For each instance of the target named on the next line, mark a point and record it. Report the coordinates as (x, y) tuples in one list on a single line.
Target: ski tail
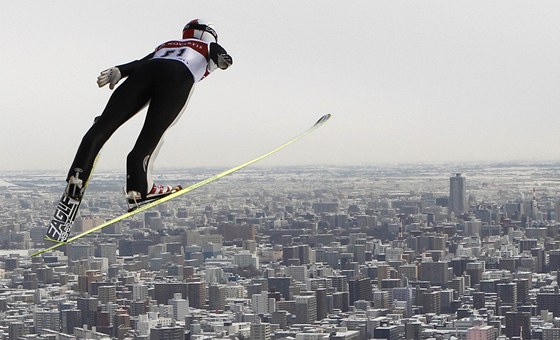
[(197, 185)]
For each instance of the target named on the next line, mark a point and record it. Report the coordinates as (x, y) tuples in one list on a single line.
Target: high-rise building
[(214, 275), (16, 329), (260, 331), (381, 299), (280, 285), (46, 319), (409, 271), (518, 324), (475, 270), (550, 333), (289, 306), (340, 301), (298, 273), (304, 253), (107, 294), (322, 303), (360, 289), (139, 292), (138, 307), (280, 318), (507, 292), (234, 291), (232, 231), (404, 294), (218, 294), (386, 332), (479, 300), (180, 306), (134, 247), (473, 227), (523, 286), (290, 255), (104, 322), (45, 275), (196, 293), (262, 303), (70, 318), (306, 309), (167, 333), (432, 242), (245, 259), (77, 251), (108, 250), (458, 285), (554, 259), (122, 323), (432, 302), (165, 291), (527, 244), (549, 302), (457, 194), (446, 300), (413, 330), (481, 333), (339, 283), (360, 253), (437, 273), (325, 207), (153, 220), (88, 310)]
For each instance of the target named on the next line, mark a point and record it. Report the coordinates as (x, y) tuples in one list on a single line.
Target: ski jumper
[(163, 80)]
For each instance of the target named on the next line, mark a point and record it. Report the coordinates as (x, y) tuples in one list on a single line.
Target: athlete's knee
[(95, 138)]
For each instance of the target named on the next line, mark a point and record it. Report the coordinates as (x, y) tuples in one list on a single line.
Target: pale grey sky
[(406, 81)]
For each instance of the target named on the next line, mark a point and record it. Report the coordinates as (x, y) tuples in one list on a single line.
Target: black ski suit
[(163, 80)]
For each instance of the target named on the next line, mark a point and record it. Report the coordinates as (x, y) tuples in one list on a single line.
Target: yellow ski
[(152, 204)]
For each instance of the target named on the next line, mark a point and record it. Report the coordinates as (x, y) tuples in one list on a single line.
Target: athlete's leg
[(125, 102), (170, 94)]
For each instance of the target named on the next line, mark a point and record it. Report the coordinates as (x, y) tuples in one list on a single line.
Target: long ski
[(150, 205)]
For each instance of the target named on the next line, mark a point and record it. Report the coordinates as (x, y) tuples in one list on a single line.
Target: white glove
[(110, 76), (224, 61)]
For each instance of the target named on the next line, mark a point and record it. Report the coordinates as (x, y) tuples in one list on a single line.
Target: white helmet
[(200, 29)]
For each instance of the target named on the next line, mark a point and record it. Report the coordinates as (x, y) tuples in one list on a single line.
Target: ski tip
[(323, 119)]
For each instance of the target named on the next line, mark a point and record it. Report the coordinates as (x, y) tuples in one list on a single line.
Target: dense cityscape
[(309, 253)]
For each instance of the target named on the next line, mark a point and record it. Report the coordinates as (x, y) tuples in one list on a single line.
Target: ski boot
[(135, 199), (74, 189)]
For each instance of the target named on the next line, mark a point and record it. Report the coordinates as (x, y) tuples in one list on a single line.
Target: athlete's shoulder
[(182, 43)]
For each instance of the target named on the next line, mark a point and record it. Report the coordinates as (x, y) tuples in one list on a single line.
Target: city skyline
[(317, 252), (406, 82)]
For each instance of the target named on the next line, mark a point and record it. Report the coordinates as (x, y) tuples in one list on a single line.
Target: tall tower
[(260, 330), (457, 194)]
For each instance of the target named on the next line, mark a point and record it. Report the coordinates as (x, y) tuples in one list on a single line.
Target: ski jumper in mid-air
[(163, 80)]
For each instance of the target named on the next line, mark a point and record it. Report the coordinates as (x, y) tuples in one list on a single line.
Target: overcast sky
[(405, 81)]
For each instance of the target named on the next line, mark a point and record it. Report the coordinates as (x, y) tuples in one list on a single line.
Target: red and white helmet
[(200, 29)]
